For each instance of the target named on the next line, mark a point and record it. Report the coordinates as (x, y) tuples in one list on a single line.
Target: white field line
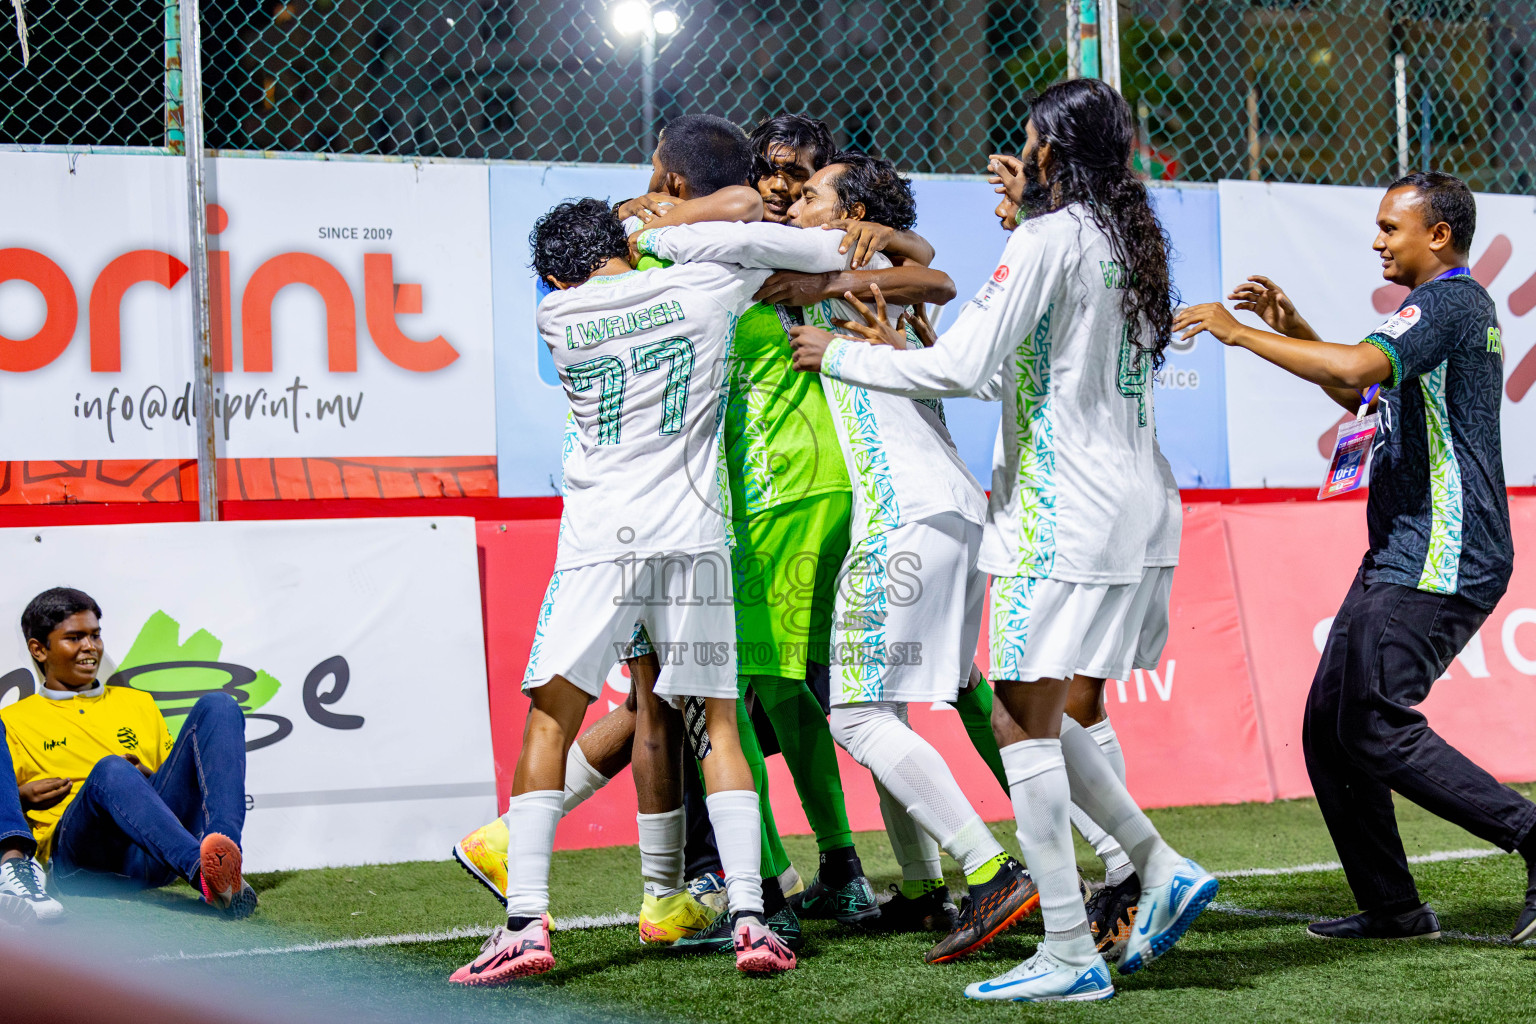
[(1333, 865), (583, 923), (562, 924)]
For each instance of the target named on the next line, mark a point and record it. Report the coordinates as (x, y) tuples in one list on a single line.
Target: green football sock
[(912, 888), (987, 871), (775, 860), (975, 707), (811, 755)]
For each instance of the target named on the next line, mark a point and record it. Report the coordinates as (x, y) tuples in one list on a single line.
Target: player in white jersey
[(1068, 327), (909, 598), (642, 357)]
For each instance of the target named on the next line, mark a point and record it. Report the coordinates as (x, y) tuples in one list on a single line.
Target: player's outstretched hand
[(1007, 174), (864, 237), (808, 345), (1261, 296), (875, 329), (1208, 316), (647, 207), (917, 319), (792, 288)]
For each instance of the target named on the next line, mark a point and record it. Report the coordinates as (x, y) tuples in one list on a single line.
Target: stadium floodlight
[(639, 18), (632, 17)]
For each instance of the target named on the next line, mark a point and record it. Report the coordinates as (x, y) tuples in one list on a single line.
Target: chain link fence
[(1284, 90)]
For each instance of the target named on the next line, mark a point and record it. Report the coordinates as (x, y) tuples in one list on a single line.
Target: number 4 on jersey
[(607, 372), (1135, 375)]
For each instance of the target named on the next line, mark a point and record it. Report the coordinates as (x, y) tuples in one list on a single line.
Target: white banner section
[(1314, 241), (351, 308), (354, 647)]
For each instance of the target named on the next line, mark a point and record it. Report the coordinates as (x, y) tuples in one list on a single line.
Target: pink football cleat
[(759, 951), (507, 955)]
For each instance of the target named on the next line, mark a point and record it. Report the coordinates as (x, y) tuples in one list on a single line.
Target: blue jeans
[(14, 830), (148, 830)]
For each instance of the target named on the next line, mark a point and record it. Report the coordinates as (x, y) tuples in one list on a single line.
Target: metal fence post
[(175, 141), (1400, 77), (1088, 20), (1074, 38), (1110, 43), (191, 73)]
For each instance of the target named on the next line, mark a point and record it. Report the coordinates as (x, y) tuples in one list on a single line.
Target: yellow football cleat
[(679, 916), (483, 853)]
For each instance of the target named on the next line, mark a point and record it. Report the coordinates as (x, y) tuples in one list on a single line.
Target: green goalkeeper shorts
[(786, 563)]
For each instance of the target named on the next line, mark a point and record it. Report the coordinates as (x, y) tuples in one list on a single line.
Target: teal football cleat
[(1044, 979), (1165, 912)]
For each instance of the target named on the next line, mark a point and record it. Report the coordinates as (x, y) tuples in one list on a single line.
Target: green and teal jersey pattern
[(780, 445), (1438, 510)]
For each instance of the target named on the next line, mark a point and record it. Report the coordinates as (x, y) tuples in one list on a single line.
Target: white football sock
[(581, 779), (877, 736), (1117, 863), (915, 849), (531, 820), (1103, 796), (1037, 782), (1103, 734), (661, 852), (738, 824)]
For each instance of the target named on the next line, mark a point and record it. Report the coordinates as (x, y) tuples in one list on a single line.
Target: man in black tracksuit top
[(1440, 552)]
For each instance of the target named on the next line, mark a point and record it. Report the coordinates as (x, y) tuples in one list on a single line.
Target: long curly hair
[(1088, 125)]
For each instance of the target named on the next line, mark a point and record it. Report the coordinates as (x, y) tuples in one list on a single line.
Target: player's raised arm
[(906, 285), (1332, 366), (764, 246), (967, 355)]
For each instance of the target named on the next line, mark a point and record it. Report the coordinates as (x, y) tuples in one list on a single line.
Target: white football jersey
[(1075, 493), (642, 356), (1163, 545), (900, 458)]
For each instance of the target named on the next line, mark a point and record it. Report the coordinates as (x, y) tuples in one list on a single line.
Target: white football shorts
[(1050, 629), (907, 614), (590, 614)]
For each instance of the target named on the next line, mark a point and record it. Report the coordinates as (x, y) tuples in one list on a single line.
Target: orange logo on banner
[(384, 300)]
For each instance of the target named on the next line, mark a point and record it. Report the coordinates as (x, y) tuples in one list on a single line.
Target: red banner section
[(1293, 565), (293, 479), (1190, 728)]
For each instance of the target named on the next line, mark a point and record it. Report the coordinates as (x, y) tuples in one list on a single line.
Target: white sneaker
[(1044, 979), (24, 895), (1165, 912)]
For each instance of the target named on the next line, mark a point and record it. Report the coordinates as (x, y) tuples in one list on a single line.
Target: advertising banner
[(954, 214), (1314, 241), (1190, 727), (351, 324), (354, 648), (1294, 563)]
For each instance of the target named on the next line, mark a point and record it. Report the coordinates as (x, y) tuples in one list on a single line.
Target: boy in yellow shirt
[(104, 788)]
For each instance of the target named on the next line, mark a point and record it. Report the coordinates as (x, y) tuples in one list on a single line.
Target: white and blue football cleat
[(1165, 912), (1044, 979)]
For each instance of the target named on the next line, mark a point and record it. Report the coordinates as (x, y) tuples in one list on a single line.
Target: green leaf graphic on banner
[(176, 674)]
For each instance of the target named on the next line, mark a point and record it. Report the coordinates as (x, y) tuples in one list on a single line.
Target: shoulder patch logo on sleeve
[(1399, 322), (1001, 273), (1495, 342)]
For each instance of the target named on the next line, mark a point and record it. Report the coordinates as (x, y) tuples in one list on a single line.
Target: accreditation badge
[(1350, 468)]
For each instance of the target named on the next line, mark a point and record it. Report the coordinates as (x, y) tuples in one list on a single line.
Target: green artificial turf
[(1240, 962)]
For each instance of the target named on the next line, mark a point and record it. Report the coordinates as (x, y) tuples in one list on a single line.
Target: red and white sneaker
[(219, 878), (759, 951), (507, 955)]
